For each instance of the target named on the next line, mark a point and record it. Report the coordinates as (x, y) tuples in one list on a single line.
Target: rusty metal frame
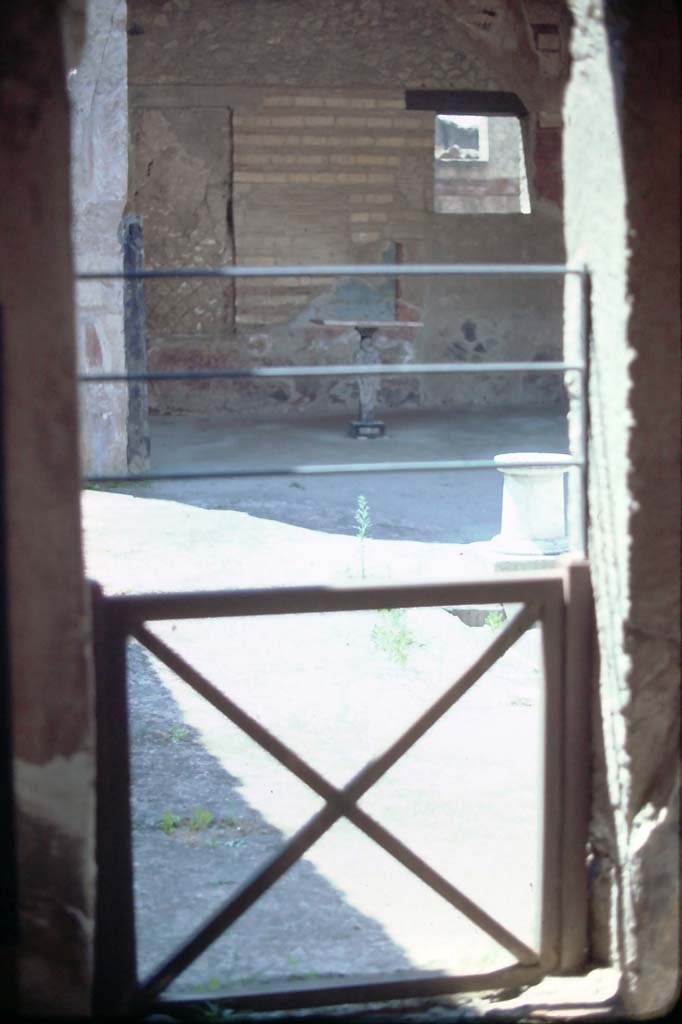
[(558, 600)]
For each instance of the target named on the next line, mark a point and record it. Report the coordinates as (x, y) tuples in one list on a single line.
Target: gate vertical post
[(578, 670), (115, 975), (552, 777)]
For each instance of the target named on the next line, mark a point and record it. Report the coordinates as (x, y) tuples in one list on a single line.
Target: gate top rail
[(137, 608), (340, 269)]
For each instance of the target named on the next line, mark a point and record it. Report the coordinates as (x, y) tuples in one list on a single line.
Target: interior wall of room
[(314, 158), (622, 196), (50, 683)]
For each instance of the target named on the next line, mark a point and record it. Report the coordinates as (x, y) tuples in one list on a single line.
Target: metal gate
[(559, 601)]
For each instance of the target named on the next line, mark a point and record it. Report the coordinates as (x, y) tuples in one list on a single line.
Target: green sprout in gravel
[(212, 985), (200, 820), (393, 635), (178, 733), (363, 522), (169, 822), (495, 620)]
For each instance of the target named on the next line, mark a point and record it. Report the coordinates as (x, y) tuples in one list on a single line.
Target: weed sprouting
[(363, 522), (169, 822), (393, 635), (200, 820), (495, 620)]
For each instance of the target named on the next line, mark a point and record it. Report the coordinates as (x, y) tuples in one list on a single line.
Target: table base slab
[(369, 428)]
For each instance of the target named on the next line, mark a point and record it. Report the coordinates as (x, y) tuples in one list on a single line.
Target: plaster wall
[(315, 159), (51, 690), (624, 92), (99, 171)]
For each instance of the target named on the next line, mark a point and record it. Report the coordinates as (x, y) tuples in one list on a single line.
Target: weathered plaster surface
[(182, 173), (99, 163), (56, 844), (622, 219), (53, 792), (52, 717)]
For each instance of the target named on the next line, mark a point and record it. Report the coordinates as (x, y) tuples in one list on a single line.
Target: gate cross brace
[(339, 803)]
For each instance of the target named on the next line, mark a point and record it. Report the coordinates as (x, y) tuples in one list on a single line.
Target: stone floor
[(459, 507)]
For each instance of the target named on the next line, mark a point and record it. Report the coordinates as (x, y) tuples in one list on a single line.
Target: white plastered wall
[(621, 163)]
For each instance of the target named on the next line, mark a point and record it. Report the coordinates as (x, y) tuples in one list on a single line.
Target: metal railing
[(578, 458)]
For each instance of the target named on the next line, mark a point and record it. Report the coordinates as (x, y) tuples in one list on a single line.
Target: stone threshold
[(592, 996)]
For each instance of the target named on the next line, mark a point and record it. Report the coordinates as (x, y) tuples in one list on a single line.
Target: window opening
[(479, 165), (461, 137)]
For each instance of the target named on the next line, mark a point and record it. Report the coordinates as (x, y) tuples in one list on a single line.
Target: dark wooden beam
[(465, 101)]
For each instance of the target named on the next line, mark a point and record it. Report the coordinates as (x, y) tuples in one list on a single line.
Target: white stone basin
[(533, 508)]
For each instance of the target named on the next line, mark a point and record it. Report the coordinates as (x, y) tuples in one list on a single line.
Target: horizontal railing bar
[(342, 269), (373, 370), (342, 468), (218, 604), (364, 988), (335, 797)]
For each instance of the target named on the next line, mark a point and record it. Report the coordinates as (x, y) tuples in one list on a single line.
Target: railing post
[(135, 332), (115, 964)]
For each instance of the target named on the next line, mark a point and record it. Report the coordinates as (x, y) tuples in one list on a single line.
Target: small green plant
[(200, 820), (211, 985), (363, 522), (178, 733), (169, 822), (393, 635), (495, 620), (297, 971)]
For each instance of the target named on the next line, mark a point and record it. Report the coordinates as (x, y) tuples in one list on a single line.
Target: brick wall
[(317, 179)]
